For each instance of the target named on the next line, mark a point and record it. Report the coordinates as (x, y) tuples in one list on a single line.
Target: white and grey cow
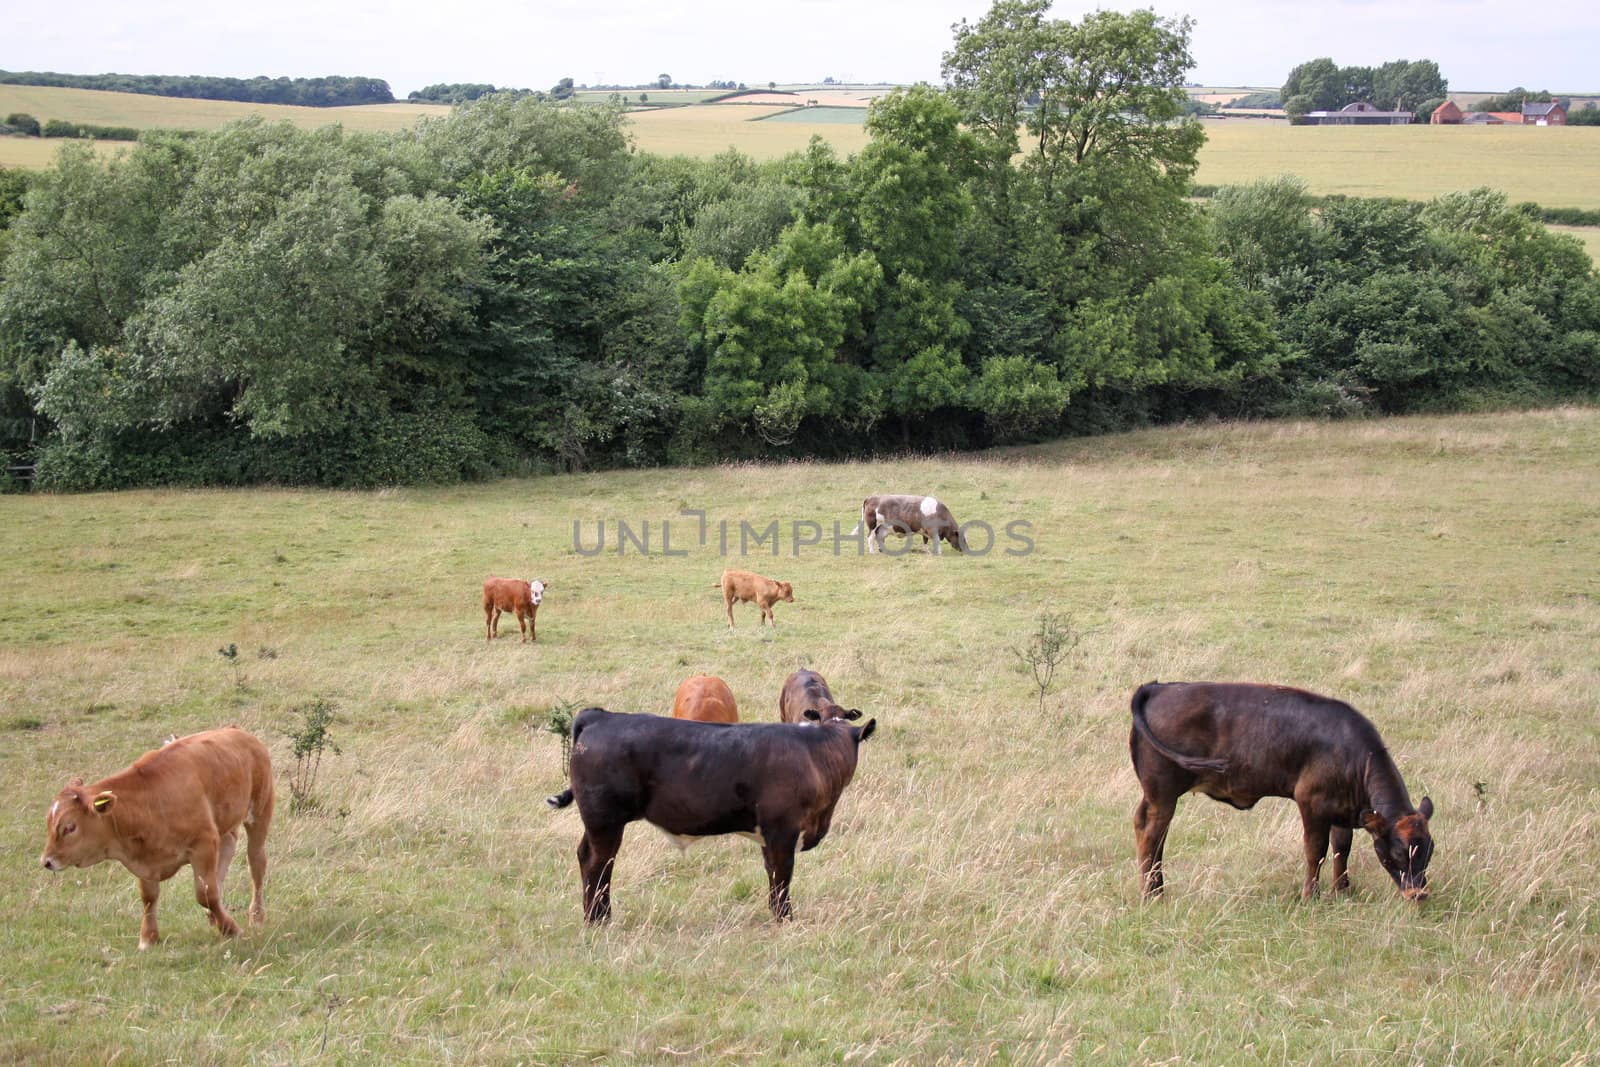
[(907, 515)]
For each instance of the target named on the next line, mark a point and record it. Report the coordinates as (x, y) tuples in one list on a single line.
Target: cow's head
[(78, 830), (842, 722), (536, 588), (830, 711), (1404, 848), (787, 590)]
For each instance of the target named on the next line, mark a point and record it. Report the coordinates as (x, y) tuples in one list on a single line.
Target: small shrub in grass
[(230, 654), (1051, 642), (559, 722), (24, 722), (310, 740)]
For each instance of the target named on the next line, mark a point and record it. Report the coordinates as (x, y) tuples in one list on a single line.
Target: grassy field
[(1555, 167), (976, 898)]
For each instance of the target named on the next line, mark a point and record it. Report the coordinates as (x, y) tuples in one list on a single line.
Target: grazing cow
[(515, 595), (774, 783), (705, 698), (182, 803), (907, 515), (1239, 743), (764, 592), (808, 691)]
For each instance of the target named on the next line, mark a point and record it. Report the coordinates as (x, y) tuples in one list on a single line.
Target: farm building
[(1552, 114), (1446, 114), (1359, 113)]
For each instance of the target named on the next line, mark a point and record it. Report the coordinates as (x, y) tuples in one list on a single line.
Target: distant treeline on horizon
[(332, 91)]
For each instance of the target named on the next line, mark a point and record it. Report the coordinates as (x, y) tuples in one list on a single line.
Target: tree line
[(1013, 256), (332, 91), (1399, 85)]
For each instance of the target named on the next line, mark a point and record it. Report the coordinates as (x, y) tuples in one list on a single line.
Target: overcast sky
[(412, 43)]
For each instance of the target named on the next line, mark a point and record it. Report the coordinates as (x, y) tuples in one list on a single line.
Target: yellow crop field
[(149, 112), (36, 153), (1552, 166)]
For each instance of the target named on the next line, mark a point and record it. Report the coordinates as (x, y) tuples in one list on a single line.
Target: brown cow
[(907, 515), (806, 690), (182, 803), (705, 698), (774, 783), (1239, 743), (764, 592), (515, 595)]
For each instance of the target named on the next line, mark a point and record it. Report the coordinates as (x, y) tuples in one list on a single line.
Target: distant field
[(704, 132), (147, 112), (1552, 167)]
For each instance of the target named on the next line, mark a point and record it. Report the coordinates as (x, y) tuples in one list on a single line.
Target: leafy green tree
[(23, 123), (1320, 81)]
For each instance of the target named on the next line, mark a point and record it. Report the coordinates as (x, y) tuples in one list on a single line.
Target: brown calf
[(806, 690), (181, 804), (1239, 743), (705, 698), (514, 595), (764, 592)]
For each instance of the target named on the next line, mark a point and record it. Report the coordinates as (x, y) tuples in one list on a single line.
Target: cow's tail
[(1193, 764), (564, 798)]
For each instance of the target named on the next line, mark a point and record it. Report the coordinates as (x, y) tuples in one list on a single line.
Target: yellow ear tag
[(103, 801)]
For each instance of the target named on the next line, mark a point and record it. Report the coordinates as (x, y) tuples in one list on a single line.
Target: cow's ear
[(103, 801), (76, 782), (1376, 824), (542, 582), (1426, 807), (853, 714), (811, 715), (866, 731)]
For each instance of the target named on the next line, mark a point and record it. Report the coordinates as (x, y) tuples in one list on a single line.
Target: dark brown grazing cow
[(182, 803), (807, 691), (907, 515), (775, 783), (764, 592), (1238, 743), (705, 698), (514, 595)]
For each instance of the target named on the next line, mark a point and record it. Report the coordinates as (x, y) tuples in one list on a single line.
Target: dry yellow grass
[(163, 112), (1555, 167), (706, 131)]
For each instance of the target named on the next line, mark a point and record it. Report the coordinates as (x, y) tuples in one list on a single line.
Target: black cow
[(775, 783), (1238, 743)]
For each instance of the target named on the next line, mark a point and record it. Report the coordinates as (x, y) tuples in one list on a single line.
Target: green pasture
[(976, 899)]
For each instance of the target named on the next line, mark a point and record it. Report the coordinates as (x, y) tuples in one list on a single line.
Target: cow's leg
[(256, 851), (766, 615), (533, 619), (1341, 837), (522, 624), (488, 622), (225, 850), (1150, 822), (149, 893), (1316, 843), (597, 854), (207, 890), (727, 602), (777, 850)]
